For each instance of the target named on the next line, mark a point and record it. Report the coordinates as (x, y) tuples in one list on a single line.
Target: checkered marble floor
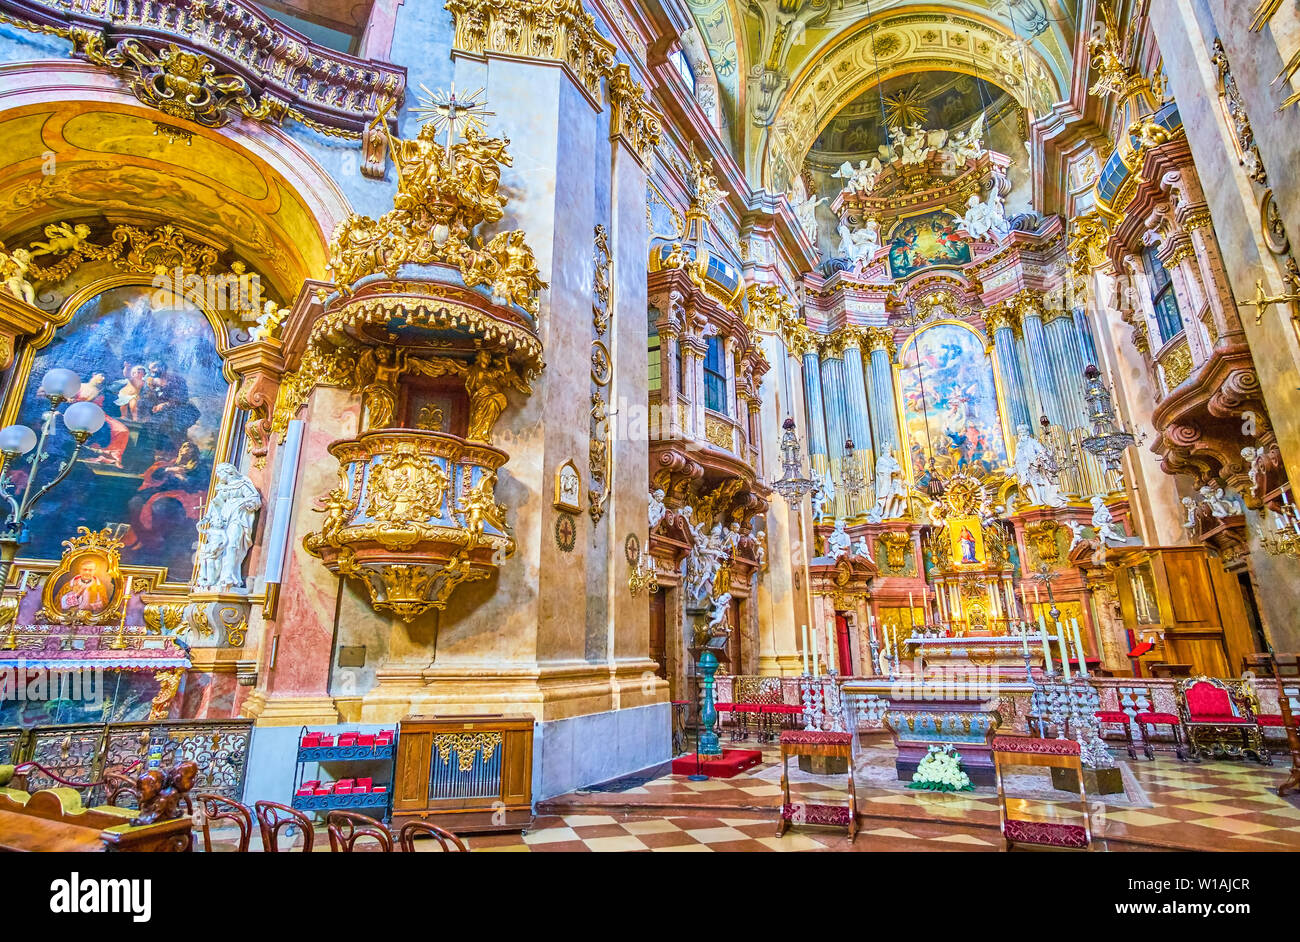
[(1206, 806)]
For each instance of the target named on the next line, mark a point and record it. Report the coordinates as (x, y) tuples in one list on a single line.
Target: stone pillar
[(815, 413), (1066, 368), (857, 411), (884, 409), (833, 403), (1038, 357), (1002, 323)]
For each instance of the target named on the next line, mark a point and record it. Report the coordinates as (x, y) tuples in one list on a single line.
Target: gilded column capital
[(1182, 251), (852, 336), (552, 30), (1002, 315), (1027, 303), (881, 338), (631, 118), (1088, 237), (768, 308), (799, 340), (832, 345), (1198, 219)]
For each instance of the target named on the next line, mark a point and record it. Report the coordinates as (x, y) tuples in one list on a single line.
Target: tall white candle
[(1024, 641), (1078, 646), (1065, 654), (832, 646), (1042, 636)]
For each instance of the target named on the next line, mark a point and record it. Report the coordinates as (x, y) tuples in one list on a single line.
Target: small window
[(1168, 319), (654, 374), (678, 59), (715, 377)]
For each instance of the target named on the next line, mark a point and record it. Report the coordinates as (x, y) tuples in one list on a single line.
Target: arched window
[(1163, 300), (655, 371), (678, 59)]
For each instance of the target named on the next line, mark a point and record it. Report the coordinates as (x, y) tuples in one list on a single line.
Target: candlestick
[(1078, 646), (816, 666), (1024, 641), (1035, 595)]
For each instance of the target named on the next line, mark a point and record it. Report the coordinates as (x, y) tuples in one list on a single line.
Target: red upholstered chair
[(1050, 753), (273, 816), (220, 808), (1153, 718), (1220, 719)]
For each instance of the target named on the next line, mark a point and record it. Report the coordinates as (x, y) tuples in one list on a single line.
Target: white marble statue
[(838, 542), (1107, 532), (861, 549), (1220, 503), (986, 220), (920, 143), (1076, 529), (1193, 511), (859, 246), (657, 508), (704, 560), (718, 612), (1251, 455), (823, 495), (863, 179), (967, 145), (731, 539), (227, 530), (891, 489), (1031, 463)]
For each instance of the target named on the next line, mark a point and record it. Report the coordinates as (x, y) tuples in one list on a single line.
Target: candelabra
[(1285, 538), (1109, 437), (793, 483), (643, 574), (852, 481), (81, 419), (1057, 460)]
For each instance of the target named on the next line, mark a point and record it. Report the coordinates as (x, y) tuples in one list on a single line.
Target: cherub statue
[(1076, 528), (1220, 503), (657, 508), (62, 238), (1193, 511), (838, 542), (1108, 533), (861, 549), (13, 271), (269, 321), (985, 220), (718, 613), (162, 792)]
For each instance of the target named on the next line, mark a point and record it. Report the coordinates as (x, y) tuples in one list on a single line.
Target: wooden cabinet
[(465, 773)]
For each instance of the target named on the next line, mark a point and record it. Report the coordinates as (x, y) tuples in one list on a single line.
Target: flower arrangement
[(940, 771)]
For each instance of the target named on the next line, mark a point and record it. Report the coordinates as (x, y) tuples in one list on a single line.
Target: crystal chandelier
[(852, 481), (793, 483), (1109, 438)]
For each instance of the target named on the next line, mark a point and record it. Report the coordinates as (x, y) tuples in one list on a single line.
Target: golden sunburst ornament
[(452, 112), (906, 107)]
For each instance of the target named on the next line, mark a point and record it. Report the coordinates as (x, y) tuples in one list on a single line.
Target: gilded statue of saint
[(377, 374), (486, 382)]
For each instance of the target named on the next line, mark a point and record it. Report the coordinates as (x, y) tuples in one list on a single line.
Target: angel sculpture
[(860, 246), (63, 238), (967, 145), (13, 272), (986, 220)]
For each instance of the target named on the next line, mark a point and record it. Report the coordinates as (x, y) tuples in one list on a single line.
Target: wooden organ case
[(465, 773)]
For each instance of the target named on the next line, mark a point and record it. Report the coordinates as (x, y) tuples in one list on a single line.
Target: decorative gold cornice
[(1182, 251), (799, 340), (768, 308), (631, 118), (1198, 219), (1088, 237), (1177, 364), (552, 30)]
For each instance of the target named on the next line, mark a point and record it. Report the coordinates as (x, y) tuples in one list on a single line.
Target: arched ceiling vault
[(808, 58)]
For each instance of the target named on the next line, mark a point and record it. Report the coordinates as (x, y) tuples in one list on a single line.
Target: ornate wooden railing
[(84, 752)]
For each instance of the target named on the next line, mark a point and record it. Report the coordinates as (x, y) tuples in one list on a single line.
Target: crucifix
[(446, 110)]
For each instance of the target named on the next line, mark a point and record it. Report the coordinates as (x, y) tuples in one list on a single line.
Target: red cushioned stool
[(809, 742), (1050, 753), (1119, 716), (1161, 719)]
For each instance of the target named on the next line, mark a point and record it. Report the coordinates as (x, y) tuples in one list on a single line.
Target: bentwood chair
[(220, 808), (272, 816), (406, 837), (348, 827)]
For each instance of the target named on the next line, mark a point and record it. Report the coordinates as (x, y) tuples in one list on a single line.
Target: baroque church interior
[(529, 424)]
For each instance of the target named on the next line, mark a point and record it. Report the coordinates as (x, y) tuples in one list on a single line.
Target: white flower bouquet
[(940, 771)]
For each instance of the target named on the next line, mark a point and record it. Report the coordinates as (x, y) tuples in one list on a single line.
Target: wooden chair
[(347, 827), (220, 808), (406, 837), (1049, 753), (272, 816), (1220, 719)]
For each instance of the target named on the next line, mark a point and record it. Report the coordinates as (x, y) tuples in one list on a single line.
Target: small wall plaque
[(568, 488)]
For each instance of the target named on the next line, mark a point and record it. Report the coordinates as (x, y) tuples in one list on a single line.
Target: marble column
[(857, 411), (1002, 323), (880, 391), (1038, 357), (1066, 367), (815, 413), (833, 403)]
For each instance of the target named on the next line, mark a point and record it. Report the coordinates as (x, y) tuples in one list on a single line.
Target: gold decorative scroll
[(630, 117), (466, 746)]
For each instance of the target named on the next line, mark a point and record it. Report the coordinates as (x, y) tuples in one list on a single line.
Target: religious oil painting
[(926, 241), (950, 402), (967, 539), (150, 360)]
